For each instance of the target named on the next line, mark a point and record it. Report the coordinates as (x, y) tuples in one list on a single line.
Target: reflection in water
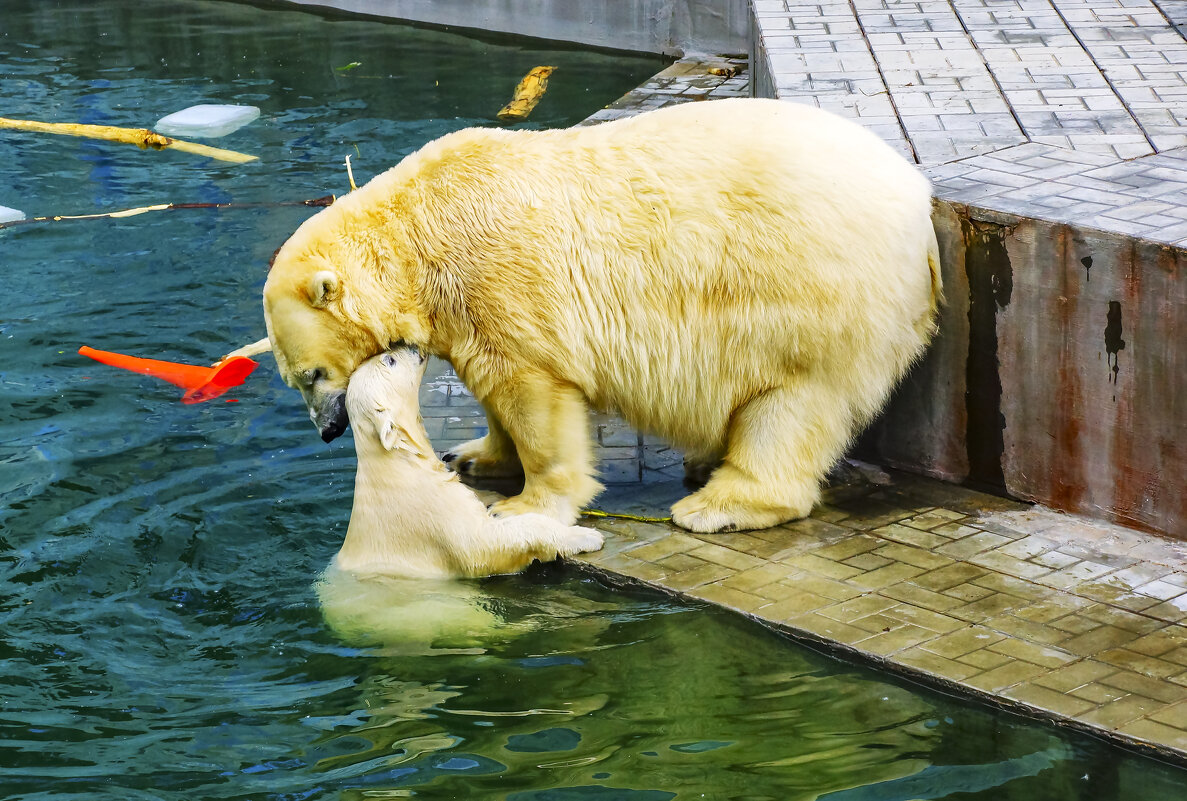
[(409, 615)]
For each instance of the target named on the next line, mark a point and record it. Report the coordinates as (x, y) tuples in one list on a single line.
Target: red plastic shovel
[(200, 383)]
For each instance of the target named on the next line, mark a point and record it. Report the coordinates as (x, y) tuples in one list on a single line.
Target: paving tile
[(935, 664), (851, 546), (969, 546), (679, 562), (1029, 652), (917, 557), (985, 608), (1122, 619), (1099, 639), (933, 518), (795, 605), (962, 642), (1027, 630), (828, 588), (1019, 588), (984, 659), (1077, 674), (1155, 732), (725, 557), (729, 597), (671, 544), (999, 678), (1124, 658), (815, 565), (1001, 562), (886, 576), (1117, 713), (755, 578), (909, 592), (1145, 686), (888, 642), (1163, 641), (1174, 716), (687, 579), (908, 535), (947, 577), (1098, 694), (968, 592), (850, 611), (1050, 700), (868, 561), (925, 618), (827, 627)]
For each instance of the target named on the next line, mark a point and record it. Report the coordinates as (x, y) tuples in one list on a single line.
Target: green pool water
[(161, 635)]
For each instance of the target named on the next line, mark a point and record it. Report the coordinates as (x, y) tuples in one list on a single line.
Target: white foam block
[(10, 215), (206, 120)]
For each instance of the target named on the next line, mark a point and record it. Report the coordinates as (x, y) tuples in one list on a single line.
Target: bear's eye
[(311, 377)]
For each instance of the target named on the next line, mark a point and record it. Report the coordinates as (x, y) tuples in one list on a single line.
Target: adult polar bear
[(746, 278)]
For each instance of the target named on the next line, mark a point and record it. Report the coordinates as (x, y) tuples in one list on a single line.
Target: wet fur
[(412, 517), (746, 278)]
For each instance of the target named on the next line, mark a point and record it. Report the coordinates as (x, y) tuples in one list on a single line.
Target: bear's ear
[(391, 436), (322, 288)]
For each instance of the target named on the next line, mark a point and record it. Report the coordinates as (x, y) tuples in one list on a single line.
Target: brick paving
[(1053, 615), (1071, 111)]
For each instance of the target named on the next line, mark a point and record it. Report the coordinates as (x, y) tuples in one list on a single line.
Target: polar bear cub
[(412, 516)]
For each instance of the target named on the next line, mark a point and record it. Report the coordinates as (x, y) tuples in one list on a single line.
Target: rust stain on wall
[(1065, 467)]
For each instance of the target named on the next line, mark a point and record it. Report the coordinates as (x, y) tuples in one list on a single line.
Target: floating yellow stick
[(141, 137), (527, 95)]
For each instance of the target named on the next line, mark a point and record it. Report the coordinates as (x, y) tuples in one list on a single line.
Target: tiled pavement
[(1066, 110), (1053, 615)]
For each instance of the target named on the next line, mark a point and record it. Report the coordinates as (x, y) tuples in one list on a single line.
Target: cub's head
[(382, 401), (338, 292)]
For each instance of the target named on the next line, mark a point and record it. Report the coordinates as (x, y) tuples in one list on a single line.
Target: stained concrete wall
[(1060, 372), (671, 27)]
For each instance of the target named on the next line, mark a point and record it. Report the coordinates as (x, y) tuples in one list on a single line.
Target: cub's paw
[(581, 540), (478, 458)]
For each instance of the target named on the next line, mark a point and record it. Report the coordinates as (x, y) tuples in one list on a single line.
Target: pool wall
[(671, 27)]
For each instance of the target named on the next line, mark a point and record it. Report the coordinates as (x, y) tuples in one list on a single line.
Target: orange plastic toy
[(200, 383)]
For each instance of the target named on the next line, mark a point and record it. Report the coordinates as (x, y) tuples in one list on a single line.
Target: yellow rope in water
[(625, 516)]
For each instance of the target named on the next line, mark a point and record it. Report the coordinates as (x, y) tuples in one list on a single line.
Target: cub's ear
[(391, 436), (322, 288)]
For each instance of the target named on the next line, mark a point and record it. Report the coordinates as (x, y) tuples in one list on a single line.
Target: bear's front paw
[(555, 506), (708, 516), (477, 458)]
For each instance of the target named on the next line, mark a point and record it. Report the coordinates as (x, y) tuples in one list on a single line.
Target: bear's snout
[(330, 416)]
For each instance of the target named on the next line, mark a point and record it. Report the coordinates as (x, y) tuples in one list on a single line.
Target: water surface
[(160, 632)]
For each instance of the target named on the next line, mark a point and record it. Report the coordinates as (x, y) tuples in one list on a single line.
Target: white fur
[(746, 278), (412, 517)]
